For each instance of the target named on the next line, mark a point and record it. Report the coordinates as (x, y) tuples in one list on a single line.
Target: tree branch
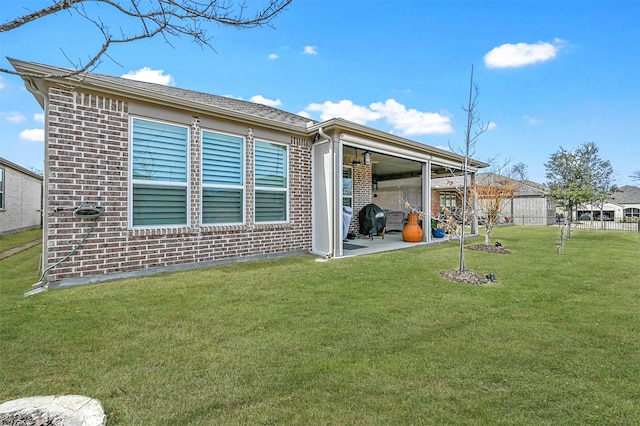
[(165, 18)]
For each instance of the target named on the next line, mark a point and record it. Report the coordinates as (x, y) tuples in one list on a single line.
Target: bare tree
[(492, 196), (635, 175), (149, 19), (472, 132), (519, 171)]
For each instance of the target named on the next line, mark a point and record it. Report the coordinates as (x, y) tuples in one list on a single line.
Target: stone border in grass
[(23, 247)]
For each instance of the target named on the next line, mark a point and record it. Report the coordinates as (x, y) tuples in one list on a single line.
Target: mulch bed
[(471, 277), (488, 249), (464, 277)]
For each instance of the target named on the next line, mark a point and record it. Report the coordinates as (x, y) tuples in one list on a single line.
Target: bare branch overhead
[(151, 18)]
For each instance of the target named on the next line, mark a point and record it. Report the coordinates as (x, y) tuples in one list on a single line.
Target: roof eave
[(342, 125), (31, 71), (6, 163)]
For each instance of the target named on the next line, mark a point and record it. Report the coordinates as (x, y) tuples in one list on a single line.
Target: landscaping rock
[(66, 410)]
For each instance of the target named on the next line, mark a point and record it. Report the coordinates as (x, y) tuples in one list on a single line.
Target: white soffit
[(384, 148)]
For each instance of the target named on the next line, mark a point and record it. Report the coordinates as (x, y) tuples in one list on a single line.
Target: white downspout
[(31, 87)]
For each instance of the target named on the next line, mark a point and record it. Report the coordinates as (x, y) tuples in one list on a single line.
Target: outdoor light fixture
[(356, 161), (367, 158)]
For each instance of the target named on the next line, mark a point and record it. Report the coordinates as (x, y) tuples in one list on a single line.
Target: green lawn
[(12, 241), (379, 339)]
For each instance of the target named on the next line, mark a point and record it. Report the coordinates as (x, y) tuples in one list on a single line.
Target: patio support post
[(336, 230), (426, 201)]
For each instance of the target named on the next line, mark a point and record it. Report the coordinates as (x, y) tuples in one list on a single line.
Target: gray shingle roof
[(626, 195), (231, 104), (527, 188)]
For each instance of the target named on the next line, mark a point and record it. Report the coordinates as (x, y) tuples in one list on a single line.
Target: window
[(448, 200), (159, 173), (631, 212), (222, 178), (347, 186), (271, 183), (1, 189)]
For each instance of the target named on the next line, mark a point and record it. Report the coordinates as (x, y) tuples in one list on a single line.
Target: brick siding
[(361, 194), (88, 160)]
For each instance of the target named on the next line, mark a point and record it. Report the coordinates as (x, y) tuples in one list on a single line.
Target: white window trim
[(244, 179), (345, 166), (132, 181), (271, 189)]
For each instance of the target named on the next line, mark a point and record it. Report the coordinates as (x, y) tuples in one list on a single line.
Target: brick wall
[(361, 194), (435, 202), (88, 165)]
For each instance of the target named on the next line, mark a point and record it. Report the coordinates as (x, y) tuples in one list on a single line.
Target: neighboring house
[(189, 179), (622, 206), (530, 205), (20, 198)]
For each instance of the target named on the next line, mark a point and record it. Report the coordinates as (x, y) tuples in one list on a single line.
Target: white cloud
[(14, 117), (403, 121), (411, 121), (491, 125), (531, 120), (1, 83), (310, 50), (521, 54), (39, 117), (32, 135), (150, 76), (259, 99), (344, 109), (273, 56)]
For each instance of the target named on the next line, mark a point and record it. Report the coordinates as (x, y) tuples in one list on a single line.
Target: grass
[(8, 242), (378, 339)]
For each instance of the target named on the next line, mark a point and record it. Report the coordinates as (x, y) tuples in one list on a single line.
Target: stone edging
[(23, 247)]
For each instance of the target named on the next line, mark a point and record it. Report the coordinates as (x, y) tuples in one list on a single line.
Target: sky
[(550, 74)]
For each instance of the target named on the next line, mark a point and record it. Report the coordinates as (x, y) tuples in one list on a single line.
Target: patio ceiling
[(388, 167)]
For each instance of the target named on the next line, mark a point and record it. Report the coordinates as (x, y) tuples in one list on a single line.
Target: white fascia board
[(368, 137)]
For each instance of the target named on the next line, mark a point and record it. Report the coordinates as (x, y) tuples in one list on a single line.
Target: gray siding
[(533, 211), (22, 200)]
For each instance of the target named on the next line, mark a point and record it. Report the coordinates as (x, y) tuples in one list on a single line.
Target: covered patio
[(355, 166), (391, 241)]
